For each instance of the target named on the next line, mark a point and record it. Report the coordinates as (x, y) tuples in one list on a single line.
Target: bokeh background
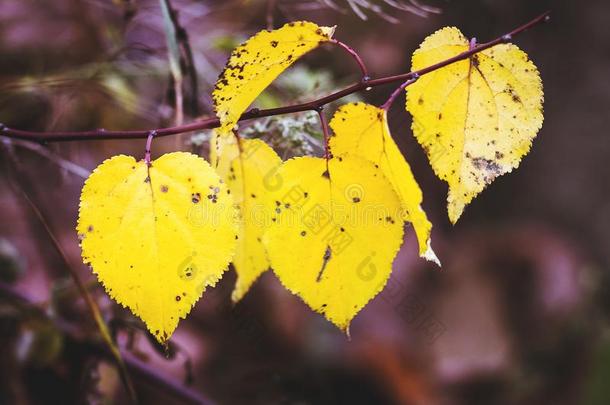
[(517, 315)]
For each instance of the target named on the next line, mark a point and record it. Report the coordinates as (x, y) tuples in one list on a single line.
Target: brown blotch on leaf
[(475, 61), (492, 168)]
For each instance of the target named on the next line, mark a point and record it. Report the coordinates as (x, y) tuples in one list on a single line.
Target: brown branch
[(210, 123)]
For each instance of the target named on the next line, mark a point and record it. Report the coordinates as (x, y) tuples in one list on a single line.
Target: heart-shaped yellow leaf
[(475, 118), (362, 129), (157, 236), (334, 233)]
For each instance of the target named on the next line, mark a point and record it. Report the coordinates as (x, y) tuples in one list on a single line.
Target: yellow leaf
[(157, 237), (257, 62), (362, 129), (475, 118), (334, 233), (248, 170)]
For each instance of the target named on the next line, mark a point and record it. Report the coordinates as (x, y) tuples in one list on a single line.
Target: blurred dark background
[(518, 314)]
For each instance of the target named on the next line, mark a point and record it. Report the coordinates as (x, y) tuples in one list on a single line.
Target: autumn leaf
[(157, 237), (335, 231), (257, 62), (362, 129), (246, 167), (475, 118)]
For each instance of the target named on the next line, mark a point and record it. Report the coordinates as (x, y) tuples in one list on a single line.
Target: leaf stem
[(209, 123), (363, 70), (149, 139), (386, 106), (325, 131)]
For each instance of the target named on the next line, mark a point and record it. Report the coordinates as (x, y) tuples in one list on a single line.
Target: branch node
[(254, 112), (3, 127), (473, 43), (507, 38)]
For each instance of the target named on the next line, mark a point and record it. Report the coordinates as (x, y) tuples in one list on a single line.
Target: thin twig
[(270, 11), (210, 123), (64, 164), (181, 64)]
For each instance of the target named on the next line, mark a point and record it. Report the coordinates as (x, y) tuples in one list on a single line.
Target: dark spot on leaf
[(475, 61), (325, 259)]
